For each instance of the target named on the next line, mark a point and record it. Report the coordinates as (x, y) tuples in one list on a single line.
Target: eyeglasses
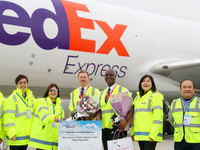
[(22, 82), (53, 90)]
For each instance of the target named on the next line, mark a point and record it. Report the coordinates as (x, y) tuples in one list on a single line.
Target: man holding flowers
[(84, 90), (107, 111)]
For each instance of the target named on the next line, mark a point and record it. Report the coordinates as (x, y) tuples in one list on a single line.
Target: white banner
[(80, 135)]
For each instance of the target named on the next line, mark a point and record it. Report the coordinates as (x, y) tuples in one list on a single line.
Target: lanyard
[(188, 106), (84, 92), (107, 96), (23, 100), (54, 108)]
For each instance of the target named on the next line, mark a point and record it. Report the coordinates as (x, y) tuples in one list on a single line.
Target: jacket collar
[(28, 92), (58, 100), (147, 94)]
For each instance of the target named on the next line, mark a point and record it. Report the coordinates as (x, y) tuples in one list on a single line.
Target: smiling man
[(106, 109), (184, 116), (18, 115), (84, 90)]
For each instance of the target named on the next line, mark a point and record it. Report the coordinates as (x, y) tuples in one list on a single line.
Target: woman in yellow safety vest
[(44, 133), (148, 115), (18, 115)]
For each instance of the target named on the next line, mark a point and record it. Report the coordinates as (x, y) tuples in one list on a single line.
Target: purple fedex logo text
[(69, 28), (36, 24)]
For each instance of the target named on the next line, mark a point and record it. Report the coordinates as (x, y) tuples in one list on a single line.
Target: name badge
[(54, 125), (28, 114), (186, 120)]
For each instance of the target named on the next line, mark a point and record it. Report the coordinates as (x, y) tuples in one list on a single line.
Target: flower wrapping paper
[(87, 106)]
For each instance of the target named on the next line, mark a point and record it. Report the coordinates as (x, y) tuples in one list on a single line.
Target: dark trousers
[(108, 134), (21, 147), (183, 145), (147, 145)]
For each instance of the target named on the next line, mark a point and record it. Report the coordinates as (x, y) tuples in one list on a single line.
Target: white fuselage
[(98, 36)]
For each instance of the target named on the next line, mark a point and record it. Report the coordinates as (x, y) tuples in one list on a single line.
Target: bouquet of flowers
[(86, 107), (121, 103)]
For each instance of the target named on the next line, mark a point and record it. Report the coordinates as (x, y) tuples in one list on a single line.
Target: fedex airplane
[(50, 41)]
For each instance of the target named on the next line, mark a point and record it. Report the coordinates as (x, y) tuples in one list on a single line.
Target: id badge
[(186, 120), (54, 125), (28, 114)]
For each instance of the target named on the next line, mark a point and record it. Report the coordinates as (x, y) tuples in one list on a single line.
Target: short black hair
[(187, 80), (140, 86), (19, 77), (111, 70)]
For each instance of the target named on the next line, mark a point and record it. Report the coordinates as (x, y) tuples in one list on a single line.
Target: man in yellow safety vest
[(84, 90), (18, 115), (107, 111), (184, 115)]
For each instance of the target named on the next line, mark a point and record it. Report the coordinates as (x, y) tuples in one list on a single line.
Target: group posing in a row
[(29, 121), (34, 122)]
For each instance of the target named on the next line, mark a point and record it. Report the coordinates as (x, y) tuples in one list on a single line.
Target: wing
[(180, 70)]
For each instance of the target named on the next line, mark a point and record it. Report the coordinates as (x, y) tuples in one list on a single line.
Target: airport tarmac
[(167, 144)]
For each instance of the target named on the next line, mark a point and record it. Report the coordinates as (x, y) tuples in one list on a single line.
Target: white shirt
[(112, 87)]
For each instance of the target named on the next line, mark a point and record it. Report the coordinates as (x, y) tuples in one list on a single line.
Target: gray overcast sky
[(183, 9)]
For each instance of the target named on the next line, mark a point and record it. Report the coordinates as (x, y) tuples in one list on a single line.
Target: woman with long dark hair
[(44, 133), (148, 115)]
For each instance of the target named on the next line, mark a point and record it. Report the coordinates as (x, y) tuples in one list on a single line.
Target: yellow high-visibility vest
[(15, 117), (44, 133), (148, 117), (106, 108), (191, 132)]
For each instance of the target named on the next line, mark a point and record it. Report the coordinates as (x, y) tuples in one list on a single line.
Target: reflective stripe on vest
[(157, 122), (17, 114), (43, 142), (101, 94), (146, 133), (108, 111), (9, 111), (42, 108), (100, 97), (17, 110), (32, 103), (1, 109), (93, 91), (148, 109), (61, 114), (47, 103), (196, 109), (36, 115), (9, 125), (44, 117), (19, 137)]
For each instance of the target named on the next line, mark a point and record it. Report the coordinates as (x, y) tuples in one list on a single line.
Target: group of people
[(27, 121), (34, 122)]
